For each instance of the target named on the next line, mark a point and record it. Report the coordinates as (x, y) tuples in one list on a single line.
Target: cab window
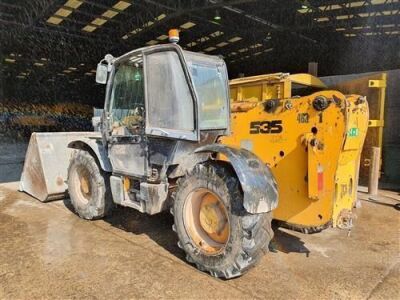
[(170, 103), (127, 99)]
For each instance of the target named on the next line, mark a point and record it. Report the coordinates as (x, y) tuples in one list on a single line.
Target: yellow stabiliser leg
[(346, 177)]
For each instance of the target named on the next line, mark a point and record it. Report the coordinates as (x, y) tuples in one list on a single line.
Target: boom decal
[(271, 127)]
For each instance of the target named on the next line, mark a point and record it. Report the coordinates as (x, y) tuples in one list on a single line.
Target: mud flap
[(260, 193), (46, 164)]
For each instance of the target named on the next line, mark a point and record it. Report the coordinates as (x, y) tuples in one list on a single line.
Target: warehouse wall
[(391, 135), (19, 119)]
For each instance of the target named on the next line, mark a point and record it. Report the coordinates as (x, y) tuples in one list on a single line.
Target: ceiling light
[(73, 3), (217, 33), (217, 17), (38, 64), (375, 2), (304, 10), (54, 20), (343, 17), (89, 28), (323, 19), (110, 14), (385, 25), (122, 5), (63, 12), (9, 60), (188, 25), (162, 37), (209, 49), (20, 77), (72, 68), (160, 17), (152, 42), (136, 30), (255, 46), (222, 44), (88, 74), (235, 39), (99, 21), (67, 71), (125, 37)]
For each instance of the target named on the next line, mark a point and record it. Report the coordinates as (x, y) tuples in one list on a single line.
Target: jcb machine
[(311, 143), (165, 108)]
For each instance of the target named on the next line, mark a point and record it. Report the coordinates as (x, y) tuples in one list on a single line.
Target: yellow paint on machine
[(313, 153)]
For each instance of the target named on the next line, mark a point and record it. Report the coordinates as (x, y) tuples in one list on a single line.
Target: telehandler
[(310, 137), (164, 111)]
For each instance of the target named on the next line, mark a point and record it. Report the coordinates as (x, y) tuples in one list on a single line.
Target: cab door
[(171, 106), (127, 143)]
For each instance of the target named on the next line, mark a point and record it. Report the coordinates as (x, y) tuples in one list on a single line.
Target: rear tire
[(248, 236), (88, 187)]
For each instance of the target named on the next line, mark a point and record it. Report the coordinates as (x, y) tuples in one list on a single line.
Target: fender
[(96, 148), (260, 193)]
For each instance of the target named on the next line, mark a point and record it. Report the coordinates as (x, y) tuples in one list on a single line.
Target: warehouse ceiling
[(47, 45)]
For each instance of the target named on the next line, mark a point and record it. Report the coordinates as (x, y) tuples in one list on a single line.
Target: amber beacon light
[(173, 35)]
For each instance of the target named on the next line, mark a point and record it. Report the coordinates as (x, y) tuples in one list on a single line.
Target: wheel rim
[(206, 221), (81, 181)]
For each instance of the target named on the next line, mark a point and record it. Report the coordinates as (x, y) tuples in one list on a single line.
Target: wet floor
[(48, 252)]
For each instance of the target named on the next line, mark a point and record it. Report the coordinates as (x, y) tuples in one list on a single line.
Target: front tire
[(88, 187), (214, 229)]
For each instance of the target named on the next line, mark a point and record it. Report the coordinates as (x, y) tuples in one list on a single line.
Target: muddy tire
[(228, 242), (88, 187)]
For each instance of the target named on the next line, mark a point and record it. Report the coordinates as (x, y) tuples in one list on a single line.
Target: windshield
[(210, 81)]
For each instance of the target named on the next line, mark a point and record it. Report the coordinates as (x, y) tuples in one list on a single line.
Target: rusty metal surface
[(46, 163), (258, 184)]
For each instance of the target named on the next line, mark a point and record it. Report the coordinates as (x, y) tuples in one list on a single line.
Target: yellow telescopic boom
[(312, 144)]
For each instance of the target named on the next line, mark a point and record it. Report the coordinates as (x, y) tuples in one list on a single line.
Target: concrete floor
[(48, 252)]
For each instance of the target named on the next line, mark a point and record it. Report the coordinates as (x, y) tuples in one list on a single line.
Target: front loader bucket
[(46, 164)]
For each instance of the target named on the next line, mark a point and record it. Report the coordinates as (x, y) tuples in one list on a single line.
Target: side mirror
[(101, 73)]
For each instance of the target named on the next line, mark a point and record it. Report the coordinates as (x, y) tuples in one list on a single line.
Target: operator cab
[(165, 91), (161, 104)]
